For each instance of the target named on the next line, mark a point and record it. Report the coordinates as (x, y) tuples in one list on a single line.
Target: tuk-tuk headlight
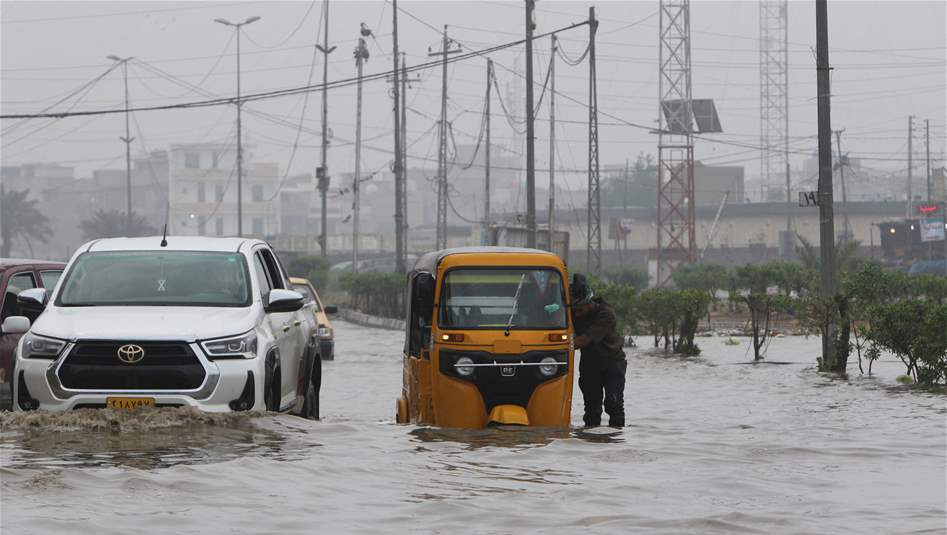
[(548, 366), (463, 366)]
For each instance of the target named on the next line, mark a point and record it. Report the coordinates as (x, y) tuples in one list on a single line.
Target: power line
[(285, 92)]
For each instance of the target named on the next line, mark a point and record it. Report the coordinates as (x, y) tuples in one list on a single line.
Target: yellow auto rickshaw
[(488, 339)]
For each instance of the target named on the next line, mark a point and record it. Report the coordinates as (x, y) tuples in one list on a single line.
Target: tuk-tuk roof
[(428, 263)]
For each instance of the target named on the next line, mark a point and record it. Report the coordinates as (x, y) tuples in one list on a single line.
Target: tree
[(690, 306), (846, 255), (314, 268), (112, 223), (708, 278), (752, 283), (20, 219), (635, 185), (635, 277)]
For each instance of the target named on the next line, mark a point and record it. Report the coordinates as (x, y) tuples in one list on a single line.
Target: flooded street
[(714, 445)]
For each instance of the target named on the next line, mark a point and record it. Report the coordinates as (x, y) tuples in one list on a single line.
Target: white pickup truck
[(187, 321)]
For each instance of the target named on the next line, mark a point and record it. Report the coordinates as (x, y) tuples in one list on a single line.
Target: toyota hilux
[(203, 322)]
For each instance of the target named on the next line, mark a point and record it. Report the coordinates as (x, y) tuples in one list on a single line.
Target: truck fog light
[(463, 366), (548, 366)]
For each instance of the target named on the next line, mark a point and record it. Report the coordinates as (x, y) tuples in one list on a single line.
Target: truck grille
[(94, 365)]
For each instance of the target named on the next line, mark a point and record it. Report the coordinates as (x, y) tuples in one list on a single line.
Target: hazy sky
[(888, 59)]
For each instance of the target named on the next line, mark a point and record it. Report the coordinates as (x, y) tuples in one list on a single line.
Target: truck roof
[(175, 243)]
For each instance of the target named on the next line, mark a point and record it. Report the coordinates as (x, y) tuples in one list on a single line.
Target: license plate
[(507, 371), (129, 403)]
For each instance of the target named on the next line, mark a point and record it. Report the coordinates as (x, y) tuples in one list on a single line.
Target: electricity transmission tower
[(676, 239), (774, 107), (774, 96)]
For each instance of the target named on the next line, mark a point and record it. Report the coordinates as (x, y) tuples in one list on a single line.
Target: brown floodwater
[(713, 445)]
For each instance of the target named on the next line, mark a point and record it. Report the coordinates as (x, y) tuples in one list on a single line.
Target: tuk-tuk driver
[(602, 367)]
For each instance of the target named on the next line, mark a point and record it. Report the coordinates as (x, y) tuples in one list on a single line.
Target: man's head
[(582, 295)]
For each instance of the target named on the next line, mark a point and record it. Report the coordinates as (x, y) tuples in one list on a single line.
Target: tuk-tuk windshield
[(498, 298)]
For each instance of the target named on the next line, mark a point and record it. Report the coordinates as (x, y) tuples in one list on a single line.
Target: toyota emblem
[(130, 353)]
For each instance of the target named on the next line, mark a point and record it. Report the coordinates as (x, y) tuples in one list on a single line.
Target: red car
[(16, 275)]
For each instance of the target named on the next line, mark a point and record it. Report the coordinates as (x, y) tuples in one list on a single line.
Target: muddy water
[(714, 445)]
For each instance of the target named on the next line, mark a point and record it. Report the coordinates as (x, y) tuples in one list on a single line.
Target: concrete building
[(203, 192)]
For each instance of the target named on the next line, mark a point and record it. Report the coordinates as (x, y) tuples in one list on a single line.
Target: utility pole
[(400, 256), (322, 173), (530, 132), (927, 148), (237, 27), (404, 153), (552, 139), (841, 171), (826, 215), (361, 54), (485, 240), (910, 206), (441, 238), (128, 149), (594, 236)]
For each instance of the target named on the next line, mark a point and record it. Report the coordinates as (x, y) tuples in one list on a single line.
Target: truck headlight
[(548, 366), (463, 366), (41, 347), (242, 346)]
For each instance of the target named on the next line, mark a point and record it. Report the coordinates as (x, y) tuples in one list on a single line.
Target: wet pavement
[(714, 445)]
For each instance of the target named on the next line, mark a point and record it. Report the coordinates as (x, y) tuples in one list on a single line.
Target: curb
[(367, 320)]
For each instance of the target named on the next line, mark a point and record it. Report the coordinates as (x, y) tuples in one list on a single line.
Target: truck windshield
[(151, 278), (499, 298)]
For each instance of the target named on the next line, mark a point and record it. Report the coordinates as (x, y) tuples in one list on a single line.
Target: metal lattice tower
[(774, 97), (676, 238)]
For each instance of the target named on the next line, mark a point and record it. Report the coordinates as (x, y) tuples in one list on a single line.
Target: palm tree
[(846, 255), (111, 223), (19, 218)]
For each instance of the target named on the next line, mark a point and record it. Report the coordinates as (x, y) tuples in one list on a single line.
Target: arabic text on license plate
[(129, 403)]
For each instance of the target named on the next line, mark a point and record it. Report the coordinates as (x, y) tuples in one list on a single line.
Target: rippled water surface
[(714, 445)]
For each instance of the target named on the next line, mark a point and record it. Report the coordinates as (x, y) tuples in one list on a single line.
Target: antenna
[(164, 236)]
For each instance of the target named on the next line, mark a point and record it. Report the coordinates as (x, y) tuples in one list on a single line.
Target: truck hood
[(144, 323)]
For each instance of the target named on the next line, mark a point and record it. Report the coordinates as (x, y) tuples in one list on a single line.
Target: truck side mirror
[(15, 325)]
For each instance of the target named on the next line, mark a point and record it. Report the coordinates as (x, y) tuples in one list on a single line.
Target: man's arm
[(600, 327)]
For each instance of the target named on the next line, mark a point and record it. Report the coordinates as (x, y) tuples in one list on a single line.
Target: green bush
[(379, 294)]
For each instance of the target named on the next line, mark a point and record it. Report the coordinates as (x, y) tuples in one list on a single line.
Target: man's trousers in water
[(610, 380)]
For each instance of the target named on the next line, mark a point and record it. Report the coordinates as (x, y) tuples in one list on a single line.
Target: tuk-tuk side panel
[(425, 398), (418, 392), (551, 402)]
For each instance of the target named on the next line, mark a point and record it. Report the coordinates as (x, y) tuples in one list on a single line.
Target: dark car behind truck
[(17, 275)]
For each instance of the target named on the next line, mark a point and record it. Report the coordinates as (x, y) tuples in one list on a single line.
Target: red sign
[(927, 208)]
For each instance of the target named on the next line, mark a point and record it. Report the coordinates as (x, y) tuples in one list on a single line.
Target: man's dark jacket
[(605, 347)]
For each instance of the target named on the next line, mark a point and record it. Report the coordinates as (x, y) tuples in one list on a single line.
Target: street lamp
[(128, 147), (237, 26)]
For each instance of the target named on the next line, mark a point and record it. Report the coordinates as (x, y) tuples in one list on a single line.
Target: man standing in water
[(603, 364)]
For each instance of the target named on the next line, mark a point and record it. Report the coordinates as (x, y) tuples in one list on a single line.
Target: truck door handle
[(285, 326), (296, 323)]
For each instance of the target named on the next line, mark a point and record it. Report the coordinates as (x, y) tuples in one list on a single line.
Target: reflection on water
[(144, 438), (499, 436)]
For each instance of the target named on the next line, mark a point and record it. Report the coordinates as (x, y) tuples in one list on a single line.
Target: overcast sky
[(888, 59)]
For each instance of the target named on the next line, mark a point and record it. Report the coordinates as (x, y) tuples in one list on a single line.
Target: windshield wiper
[(516, 301)]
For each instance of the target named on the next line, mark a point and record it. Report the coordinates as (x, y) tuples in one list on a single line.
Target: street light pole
[(128, 149), (237, 26)]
